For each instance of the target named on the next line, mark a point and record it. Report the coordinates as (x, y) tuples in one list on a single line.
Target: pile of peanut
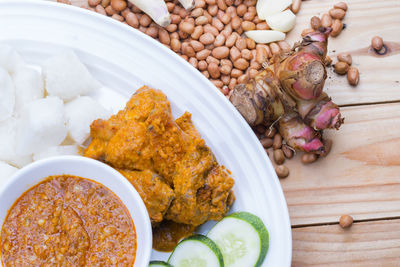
[(210, 37)]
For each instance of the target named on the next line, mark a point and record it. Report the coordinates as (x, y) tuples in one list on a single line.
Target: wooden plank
[(360, 176), (380, 77), (365, 244)]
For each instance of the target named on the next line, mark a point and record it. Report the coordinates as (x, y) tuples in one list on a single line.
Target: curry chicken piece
[(156, 194), (167, 161)]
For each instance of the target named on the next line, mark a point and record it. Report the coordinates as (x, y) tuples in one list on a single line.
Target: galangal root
[(289, 93)]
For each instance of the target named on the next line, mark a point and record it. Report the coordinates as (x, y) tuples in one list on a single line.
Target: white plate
[(125, 59)]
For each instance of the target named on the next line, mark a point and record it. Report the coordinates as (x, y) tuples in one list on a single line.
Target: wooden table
[(361, 175)]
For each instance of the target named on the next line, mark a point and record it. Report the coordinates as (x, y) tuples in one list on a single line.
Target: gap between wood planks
[(355, 221), (370, 103)]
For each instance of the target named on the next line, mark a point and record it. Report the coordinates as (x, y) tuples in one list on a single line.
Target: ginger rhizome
[(289, 91)]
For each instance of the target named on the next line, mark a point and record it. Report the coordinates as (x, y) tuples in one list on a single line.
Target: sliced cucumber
[(242, 238), (196, 251), (159, 264)]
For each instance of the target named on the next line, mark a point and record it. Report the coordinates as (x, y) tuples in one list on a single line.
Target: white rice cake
[(28, 84), (9, 58), (41, 125), (66, 77), (80, 113), (7, 95)]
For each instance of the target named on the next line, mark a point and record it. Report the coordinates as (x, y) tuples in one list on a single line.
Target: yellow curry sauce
[(68, 221)]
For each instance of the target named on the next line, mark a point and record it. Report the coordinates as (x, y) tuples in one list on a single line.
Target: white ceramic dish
[(125, 59), (91, 169)]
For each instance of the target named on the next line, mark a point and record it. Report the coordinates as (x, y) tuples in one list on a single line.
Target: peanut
[(296, 5), (341, 68), (337, 27), (353, 76), (277, 141), (345, 221), (94, 3), (118, 5), (235, 73), (220, 52), (241, 64), (202, 65), (100, 9), (282, 171), (219, 40), (176, 45), (345, 57), (164, 36), (207, 38), (341, 5), (279, 157), (377, 43), (270, 132), (308, 158), (326, 20), (337, 13), (232, 83), (213, 70), (287, 151), (203, 54), (262, 26), (261, 54), (248, 26), (315, 23), (266, 142)]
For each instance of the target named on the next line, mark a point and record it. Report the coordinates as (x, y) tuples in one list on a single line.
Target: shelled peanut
[(210, 37)]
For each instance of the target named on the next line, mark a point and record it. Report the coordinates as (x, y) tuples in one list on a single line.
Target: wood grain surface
[(365, 244), (361, 175)]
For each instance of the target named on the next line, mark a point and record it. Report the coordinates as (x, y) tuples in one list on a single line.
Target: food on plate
[(79, 113), (290, 90), (28, 87), (146, 144), (7, 95), (66, 77), (197, 250), (41, 125), (68, 221), (242, 238), (6, 171)]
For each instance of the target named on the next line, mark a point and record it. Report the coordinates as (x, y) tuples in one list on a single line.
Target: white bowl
[(83, 167)]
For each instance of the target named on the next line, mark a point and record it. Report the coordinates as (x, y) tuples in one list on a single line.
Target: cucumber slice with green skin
[(196, 251), (159, 264), (242, 238)]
